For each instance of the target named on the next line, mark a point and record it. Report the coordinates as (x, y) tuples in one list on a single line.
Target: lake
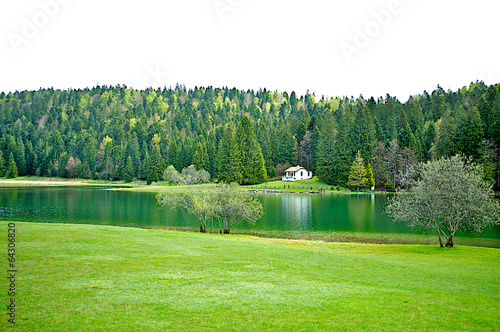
[(282, 212)]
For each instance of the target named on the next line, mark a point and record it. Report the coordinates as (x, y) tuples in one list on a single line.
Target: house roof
[(295, 169)]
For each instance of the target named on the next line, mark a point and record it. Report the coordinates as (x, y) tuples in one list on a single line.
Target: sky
[(331, 48)]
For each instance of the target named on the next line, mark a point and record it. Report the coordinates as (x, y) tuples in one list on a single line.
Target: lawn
[(102, 278), (299, 185)]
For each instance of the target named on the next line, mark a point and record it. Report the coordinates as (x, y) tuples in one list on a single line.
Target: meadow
[(105, 278)]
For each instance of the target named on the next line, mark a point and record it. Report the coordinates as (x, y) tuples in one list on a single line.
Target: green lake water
[(282, 212)]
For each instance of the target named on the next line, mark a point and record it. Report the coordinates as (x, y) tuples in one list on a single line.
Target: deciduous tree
[(450, 195)]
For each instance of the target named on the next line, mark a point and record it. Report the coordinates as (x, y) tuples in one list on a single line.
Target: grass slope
[(303, 185), (101, 278)]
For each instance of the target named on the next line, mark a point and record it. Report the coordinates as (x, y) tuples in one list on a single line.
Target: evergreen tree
[(470, 134), (3, 166), (370, 180), (326, 152), (342, 155), (30, 159), (406, 138), (252, 162), (145, 166), (211, 152), (428, 139), (172, 153), (132, 151), (286, 146), (155, 172), (20, 157), (363, 135), (445, 144), (229, 157), (357, 174), (129, 172), (12, 170), (199, 157)]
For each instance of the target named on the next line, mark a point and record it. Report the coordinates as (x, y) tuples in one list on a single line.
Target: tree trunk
[(449, 243), (439, 236)]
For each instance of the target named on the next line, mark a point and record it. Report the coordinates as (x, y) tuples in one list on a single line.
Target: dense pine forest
[(245, 136)]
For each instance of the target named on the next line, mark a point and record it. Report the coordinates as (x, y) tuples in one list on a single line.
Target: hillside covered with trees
[(244, 136)]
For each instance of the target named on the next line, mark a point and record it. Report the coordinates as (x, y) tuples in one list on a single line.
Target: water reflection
[(282, 212), (297, 210)]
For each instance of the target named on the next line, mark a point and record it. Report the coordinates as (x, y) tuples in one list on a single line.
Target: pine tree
[(363, 135), (229, 157), (370, 180), (326, 152), (406, 138), (470, 134), (286, 146), (357, 174), (132, 150), (145, 166), (21, 157), (199, 156), (30, 159), (3, 166), (155, 172), (252, 161), (172, 153), (129, 172), (342, 154), (12, 170)]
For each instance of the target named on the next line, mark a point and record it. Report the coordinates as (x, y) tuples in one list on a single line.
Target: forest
[(119, 133)]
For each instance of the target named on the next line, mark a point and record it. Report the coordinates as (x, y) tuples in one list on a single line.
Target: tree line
[(118, 133)]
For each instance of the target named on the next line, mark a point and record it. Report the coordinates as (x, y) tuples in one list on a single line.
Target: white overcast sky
[(332, 48)]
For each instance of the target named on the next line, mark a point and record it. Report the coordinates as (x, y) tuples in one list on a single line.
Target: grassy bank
[(348, 237), (55, 181), (297, 186), (81, 277)]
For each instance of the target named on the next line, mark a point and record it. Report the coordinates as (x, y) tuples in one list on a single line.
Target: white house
[(296, 173)]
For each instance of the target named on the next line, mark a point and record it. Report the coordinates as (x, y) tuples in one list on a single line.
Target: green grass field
[(101, 278), (300, 185)]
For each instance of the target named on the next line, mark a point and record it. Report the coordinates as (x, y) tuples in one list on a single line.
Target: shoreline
[(33, 181)]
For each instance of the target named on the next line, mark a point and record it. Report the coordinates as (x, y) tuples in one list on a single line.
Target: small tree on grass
[(171, 175), (197, 202), (226, 204), (231, 206), (449, 195)]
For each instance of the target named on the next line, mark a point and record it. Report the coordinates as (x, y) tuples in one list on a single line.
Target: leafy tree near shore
[(171, 175), (226, 204), (450, 195), (230, 206)]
